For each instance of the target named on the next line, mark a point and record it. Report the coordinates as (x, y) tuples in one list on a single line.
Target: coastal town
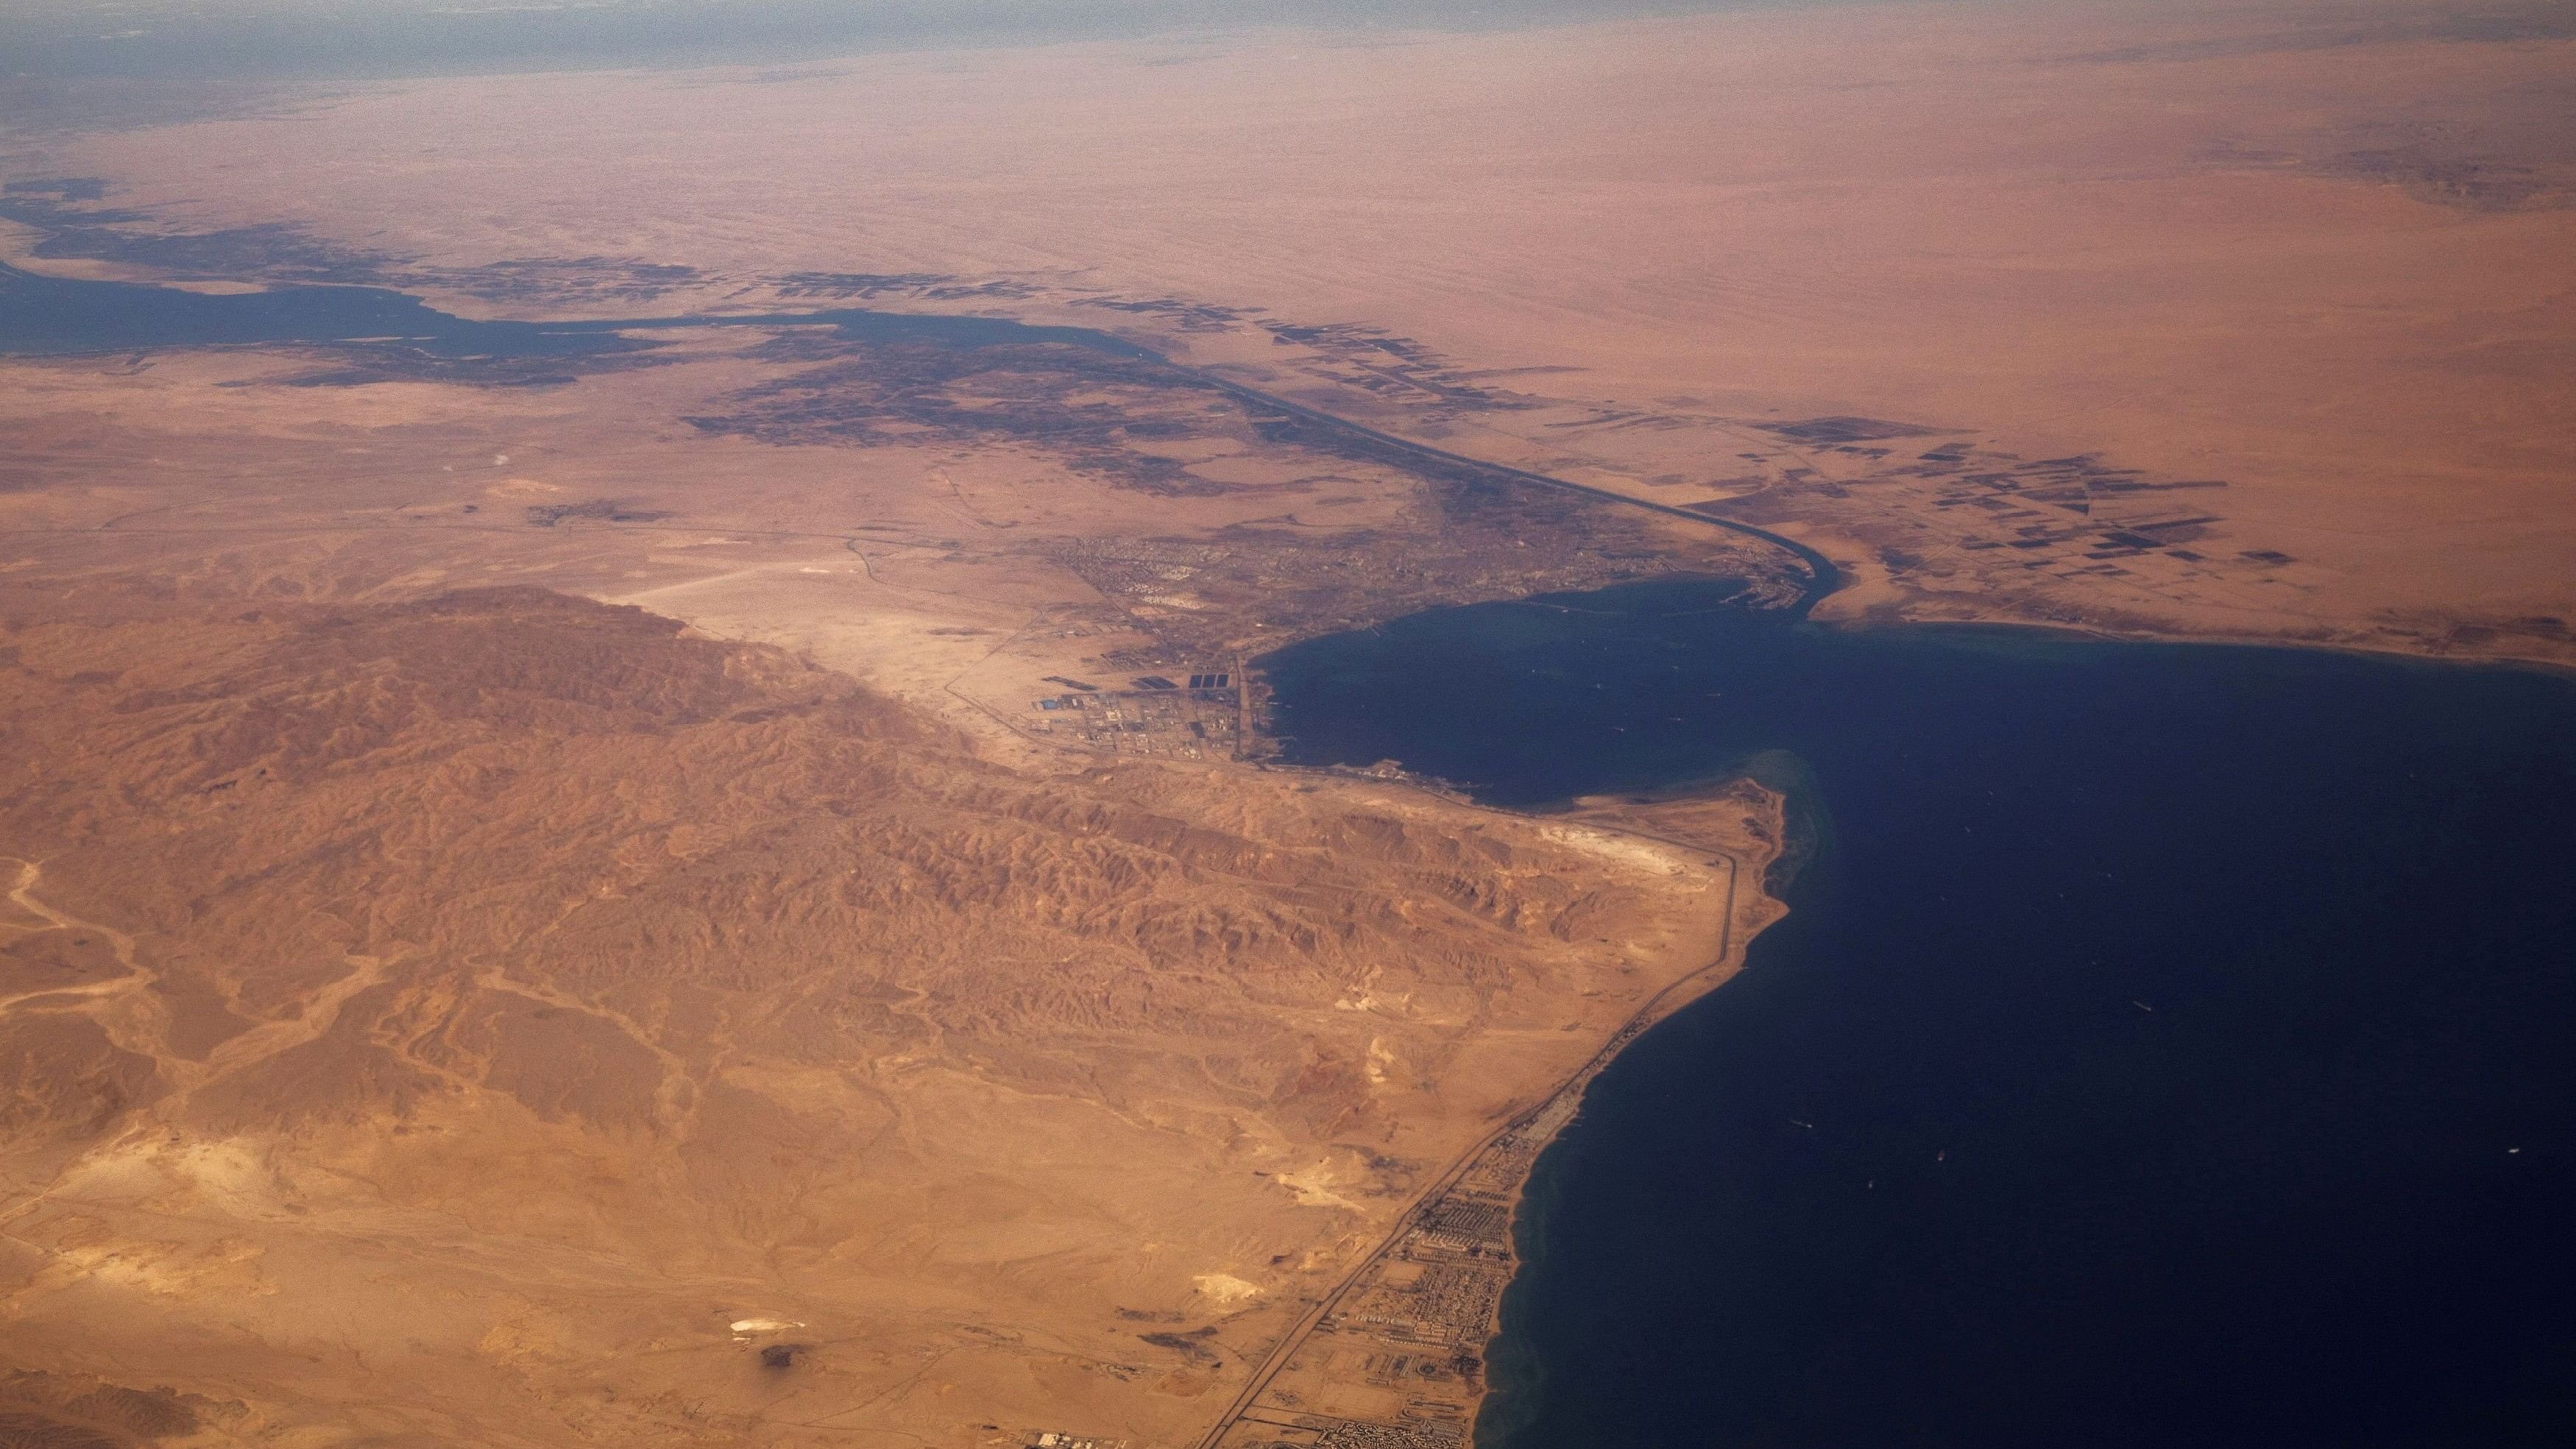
[(1397, 1359), (1203, 715)]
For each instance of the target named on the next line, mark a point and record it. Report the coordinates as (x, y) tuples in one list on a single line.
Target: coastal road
[(1644, 1016)]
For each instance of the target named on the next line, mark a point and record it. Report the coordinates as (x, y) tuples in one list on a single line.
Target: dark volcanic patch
[(1396, 370), (2471, 183), (597, 510), (859, 285), (2061, 517), (560, 280), (1183, 316), (2505, 149), (66, 1411), (1189, 1345), (1847, 430), (929, 286), (1087, 407)]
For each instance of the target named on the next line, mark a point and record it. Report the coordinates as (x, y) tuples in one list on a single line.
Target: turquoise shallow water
[(2169, 1044)]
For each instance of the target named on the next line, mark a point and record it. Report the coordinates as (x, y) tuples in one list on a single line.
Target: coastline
[(1475, 1207), (1418, 1316), (1985, 1015)]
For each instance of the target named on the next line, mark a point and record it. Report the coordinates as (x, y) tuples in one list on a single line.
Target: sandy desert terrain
[(2218, 320), (838, 980), (512, 1019), (656, 898)]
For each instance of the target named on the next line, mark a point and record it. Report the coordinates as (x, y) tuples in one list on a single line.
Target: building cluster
[(1399, 1362), (1155, 716)]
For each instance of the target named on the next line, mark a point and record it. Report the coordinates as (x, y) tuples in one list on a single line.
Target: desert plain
[(652, 897)]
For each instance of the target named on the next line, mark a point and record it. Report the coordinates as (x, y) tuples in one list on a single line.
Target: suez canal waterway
[(57, 316), (2168, 1044)]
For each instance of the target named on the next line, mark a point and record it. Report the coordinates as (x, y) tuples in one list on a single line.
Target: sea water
[(2169, 1044)]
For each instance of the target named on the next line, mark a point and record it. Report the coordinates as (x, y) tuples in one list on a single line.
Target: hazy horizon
[(281, 39)]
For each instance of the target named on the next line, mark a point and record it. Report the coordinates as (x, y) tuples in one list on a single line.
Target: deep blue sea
[(2169, 1045)]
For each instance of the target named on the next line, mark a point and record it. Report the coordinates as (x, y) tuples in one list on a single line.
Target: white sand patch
[(1625, 849), (1314, 1187), (1226, 1289)]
